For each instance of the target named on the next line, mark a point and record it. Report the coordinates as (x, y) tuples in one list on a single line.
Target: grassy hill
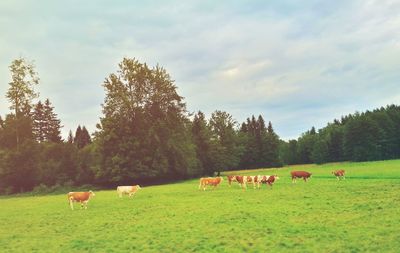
[(359, 214)]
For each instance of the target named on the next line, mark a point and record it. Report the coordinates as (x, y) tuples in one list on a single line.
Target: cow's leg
[(71, 204)]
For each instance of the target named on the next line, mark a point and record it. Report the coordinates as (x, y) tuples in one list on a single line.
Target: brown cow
[(210, 181), (81, 197), (300, 174), (340, 174)]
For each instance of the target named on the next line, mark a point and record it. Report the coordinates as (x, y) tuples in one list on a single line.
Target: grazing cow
[(340, 174), (210, 181), (242, 180), (130, 190), (266, 179), (300, 174), (231, 178), (271, 179), (81, 197)]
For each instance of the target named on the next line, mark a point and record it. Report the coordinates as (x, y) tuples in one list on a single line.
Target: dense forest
[(146, 135)]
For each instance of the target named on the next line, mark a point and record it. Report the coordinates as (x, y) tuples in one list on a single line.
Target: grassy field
[(360, 214)]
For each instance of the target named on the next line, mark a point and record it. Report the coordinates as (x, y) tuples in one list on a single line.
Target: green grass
[(360, 214)]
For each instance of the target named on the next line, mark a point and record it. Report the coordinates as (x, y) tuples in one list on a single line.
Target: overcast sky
[(297, 63)]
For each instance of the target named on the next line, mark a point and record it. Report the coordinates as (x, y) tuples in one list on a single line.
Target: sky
[(297, 63)]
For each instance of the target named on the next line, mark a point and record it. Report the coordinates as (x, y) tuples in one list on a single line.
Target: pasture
[(359, 214)]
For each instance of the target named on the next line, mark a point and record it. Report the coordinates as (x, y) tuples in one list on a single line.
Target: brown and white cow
[(255, 180), (300, 174), (242, 180), (267, 179), (231, 178), (130, 190), (81, 197), (339, 174), (204, 181)]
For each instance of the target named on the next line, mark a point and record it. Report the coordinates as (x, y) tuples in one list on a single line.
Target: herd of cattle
[(257, 181), (84, 197)]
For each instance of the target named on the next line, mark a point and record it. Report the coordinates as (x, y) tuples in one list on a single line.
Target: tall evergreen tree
[(271, 147), (70, 139), (39, 122), (204, 146), (53, 124)]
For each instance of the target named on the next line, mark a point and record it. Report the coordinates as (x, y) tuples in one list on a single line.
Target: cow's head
[(92, 194), (276, 176), (138, 186)]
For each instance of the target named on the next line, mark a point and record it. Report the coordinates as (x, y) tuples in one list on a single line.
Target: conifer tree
[(70, 137), (39, 125), (53, 124)]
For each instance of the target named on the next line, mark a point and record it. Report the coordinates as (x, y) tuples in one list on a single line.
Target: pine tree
[(39, 123), (85, 137), (70, 137), (202, 139), (272, 147), (78, 137), (53, 124)]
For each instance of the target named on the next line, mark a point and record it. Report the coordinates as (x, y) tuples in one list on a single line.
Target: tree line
[(368, 136), (146, 135)]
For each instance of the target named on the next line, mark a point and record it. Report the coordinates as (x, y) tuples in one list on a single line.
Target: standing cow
[(81, 197), (300, 174), (242, 180), (204, 181), (231, 178), (130, 190), (339, 174)]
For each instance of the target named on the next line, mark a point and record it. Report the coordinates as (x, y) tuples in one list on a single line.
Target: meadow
[(359, 214)]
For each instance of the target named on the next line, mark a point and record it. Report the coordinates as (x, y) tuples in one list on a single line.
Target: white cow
[(130, 190)]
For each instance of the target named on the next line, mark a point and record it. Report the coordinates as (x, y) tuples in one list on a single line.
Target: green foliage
[(21, 91), (18, 168), (226, 147), (359, 137), (144, 132), (203, 142), (82, 137), (46, 125)]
